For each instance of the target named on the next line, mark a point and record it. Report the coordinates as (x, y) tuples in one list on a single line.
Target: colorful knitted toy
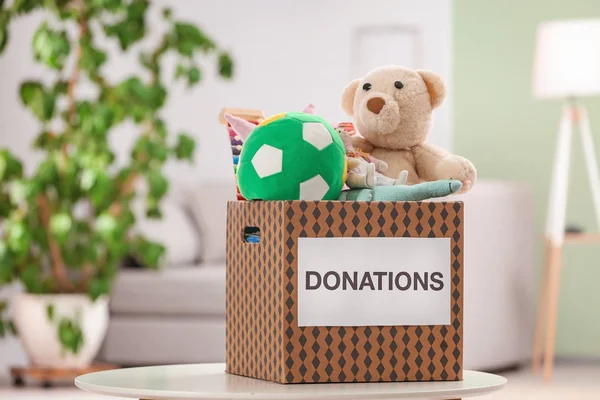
[(252, 116)]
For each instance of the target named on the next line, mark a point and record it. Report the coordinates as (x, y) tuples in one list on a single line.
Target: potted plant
[(66, 226)]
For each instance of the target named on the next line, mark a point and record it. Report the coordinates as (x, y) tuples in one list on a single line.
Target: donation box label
[(373, 281)]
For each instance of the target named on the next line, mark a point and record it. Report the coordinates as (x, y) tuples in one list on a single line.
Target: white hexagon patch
[(313, 189), (267, 161), (316, 134)]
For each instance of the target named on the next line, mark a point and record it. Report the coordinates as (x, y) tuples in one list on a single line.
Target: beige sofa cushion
[(144, 340), (191, 290), (208, 206)]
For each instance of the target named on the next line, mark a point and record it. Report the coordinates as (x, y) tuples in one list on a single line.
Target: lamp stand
[(554, 238)]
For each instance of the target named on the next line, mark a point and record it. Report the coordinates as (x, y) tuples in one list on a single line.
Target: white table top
[(209, 381)]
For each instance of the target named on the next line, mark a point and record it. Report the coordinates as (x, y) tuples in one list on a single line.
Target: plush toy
[(393, 107), (418, 192), (364, 170), (290, 156)]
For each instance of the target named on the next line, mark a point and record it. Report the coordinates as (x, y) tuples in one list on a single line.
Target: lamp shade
[(567, 59)]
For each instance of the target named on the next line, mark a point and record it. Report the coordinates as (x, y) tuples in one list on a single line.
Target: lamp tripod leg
[(555, 231), (590, 160), (538, 340)]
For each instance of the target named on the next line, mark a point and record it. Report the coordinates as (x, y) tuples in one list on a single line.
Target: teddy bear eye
[(398, 85), (367, 87)]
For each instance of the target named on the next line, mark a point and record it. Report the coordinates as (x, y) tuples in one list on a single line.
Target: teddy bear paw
[(459, 168)]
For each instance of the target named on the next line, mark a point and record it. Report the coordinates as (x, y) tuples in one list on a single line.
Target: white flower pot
[(39, 335)]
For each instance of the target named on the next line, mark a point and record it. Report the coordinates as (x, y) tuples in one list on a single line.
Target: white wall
[(287, 53)]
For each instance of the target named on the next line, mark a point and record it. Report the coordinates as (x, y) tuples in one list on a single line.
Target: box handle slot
[(252, 234)]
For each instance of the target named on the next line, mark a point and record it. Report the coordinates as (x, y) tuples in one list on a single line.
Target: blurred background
[(289, 53)]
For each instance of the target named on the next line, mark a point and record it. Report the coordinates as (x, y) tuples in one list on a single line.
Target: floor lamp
[(567, 66)]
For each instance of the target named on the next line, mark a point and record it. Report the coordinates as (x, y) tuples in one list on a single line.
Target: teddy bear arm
[(435, 163), (428, 158)]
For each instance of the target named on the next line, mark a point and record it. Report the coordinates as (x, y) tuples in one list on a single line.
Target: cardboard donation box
[(330, 291)]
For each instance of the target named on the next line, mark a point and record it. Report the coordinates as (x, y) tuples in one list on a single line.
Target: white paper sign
[(373, 281)]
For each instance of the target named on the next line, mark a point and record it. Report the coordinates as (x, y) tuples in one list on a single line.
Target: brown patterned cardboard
[(263, 337)]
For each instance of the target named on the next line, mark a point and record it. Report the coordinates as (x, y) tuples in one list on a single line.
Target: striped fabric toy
[(253, 116)]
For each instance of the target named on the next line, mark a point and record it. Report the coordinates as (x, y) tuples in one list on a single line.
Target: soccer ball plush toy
[(290, 156)]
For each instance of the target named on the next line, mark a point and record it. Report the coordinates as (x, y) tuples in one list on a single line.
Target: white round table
[(209, 381)]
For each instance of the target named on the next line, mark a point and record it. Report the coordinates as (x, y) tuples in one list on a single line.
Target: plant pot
[(39, 334)]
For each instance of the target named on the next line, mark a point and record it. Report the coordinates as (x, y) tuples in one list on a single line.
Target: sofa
[(177, 314)]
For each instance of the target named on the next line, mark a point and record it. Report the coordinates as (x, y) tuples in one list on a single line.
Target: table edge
[(152, 394)]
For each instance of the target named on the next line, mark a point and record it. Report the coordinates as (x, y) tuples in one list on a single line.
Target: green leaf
[(68, 184), (7, 264), (51, 47), (5, 205), (92, 58), (40, 102), (61, 87), (95, 119), (70, 335), (46, 141), (148, 62), (40, 236), (193, 76), (31, 277), (18, 237), (12, 328), (46, 173), (24, 6), (10, 167), (132, 27), (19, 191), (152, 208), (4, 21), (106, 224), (225, 65), (103, 190), (50, 312), (149, 253), (98, 286), (138, 99), (184, 149), (148, 149), (158, 184), (108, 5), (88, 177), (127, 219), (65, 333), (160, 128), (180, 71), (60, 226), (189, 38), (60, 8), (91, 252), (73, 256), (167, 13)]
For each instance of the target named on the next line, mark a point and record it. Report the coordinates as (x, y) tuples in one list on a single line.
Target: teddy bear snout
[(375, 104)]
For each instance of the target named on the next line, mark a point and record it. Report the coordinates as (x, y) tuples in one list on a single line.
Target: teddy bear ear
[(435, 86), (348, 97)]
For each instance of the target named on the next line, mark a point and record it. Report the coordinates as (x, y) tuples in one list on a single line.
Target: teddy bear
[(393, 111)]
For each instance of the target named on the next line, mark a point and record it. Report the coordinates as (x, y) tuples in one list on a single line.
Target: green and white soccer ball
[(292, 156)]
